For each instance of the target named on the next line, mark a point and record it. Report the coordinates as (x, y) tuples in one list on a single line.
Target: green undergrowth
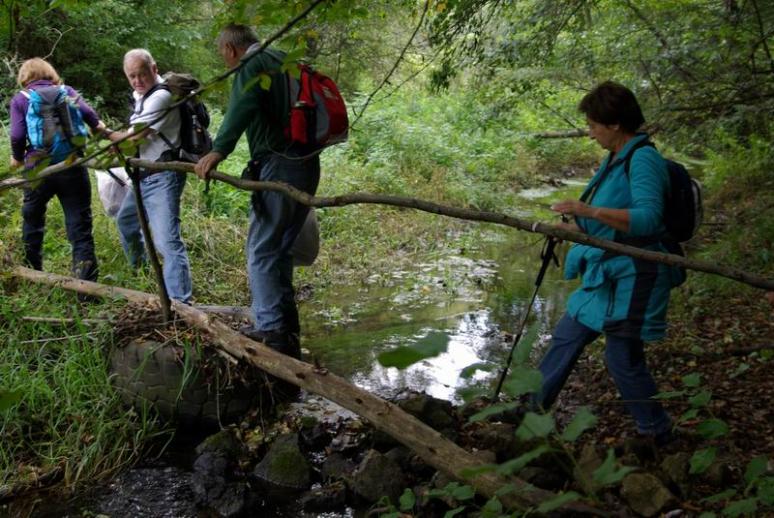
[(60, 419), (738, 229)]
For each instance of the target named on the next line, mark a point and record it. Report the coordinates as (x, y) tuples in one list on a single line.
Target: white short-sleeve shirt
[(148, 111)]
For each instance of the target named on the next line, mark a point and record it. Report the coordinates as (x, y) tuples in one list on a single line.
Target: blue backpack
[(54, 122)]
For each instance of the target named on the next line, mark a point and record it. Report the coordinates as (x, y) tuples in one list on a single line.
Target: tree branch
[(394, 66)]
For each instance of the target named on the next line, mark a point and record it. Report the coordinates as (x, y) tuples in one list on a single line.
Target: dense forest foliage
[(449, 101)]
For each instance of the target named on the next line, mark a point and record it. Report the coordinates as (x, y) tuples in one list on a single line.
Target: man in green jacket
[(275, 220)]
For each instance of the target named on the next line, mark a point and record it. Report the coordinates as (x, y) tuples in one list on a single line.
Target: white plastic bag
[(307, 245), (111, 192)]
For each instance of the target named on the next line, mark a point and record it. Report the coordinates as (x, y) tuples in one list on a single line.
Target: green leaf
[(609, 472), (755, 468), (527, 342), (582, 421), (407, 500), (523, 380), (719, 497), (9, 398), (505, 490), (708, 514), (431, 345), (557, 502), (740, 369), (670, 395), (712, 428), (470, 370), (701, 460), (766, 490), (535, 425), (688, 415), (515, 465), (492, 410), (492, 507), (692, 380), (701, 399), (738, 508), (454, 512), (265, 80), (463, 493)]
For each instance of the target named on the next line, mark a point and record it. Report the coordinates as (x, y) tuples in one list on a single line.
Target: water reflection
[(472, 302)]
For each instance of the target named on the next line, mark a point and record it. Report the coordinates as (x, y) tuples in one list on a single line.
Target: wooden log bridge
[(430, 445)]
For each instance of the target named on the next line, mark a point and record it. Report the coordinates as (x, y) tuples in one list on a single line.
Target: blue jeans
[(625, 360), (73, 189), (275, 221), (161, 194)]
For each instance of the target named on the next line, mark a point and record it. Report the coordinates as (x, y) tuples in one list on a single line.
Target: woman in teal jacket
[(621, 297)]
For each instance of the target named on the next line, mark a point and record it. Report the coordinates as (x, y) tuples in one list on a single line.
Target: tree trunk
[(429, 444)]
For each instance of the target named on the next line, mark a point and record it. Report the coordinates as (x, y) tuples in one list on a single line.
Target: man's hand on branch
[(207, 163)]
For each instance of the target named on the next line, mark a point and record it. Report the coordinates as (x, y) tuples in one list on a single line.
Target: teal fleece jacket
[(261, 113), (620, 295)]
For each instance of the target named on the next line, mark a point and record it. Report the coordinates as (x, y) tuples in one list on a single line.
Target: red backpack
[(318, 115)]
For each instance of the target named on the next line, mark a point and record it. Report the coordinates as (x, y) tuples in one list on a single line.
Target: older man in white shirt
[(158, 135)]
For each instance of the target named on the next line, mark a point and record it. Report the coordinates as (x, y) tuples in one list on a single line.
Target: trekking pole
[(142, 216), (547, 254)]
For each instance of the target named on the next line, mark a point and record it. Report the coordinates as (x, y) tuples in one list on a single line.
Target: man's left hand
[(207, 163)]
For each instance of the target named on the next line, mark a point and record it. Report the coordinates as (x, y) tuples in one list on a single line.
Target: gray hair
[(237, 35), (139, 54)]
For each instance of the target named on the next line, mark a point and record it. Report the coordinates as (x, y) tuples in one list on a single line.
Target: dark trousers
[(73, 189)]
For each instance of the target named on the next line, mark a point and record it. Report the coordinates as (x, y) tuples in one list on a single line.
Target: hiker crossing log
[(430, 445)]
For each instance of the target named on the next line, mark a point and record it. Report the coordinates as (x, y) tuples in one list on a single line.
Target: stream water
[(463, 299)]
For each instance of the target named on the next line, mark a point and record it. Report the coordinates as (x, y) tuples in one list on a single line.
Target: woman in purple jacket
[(71, 186)]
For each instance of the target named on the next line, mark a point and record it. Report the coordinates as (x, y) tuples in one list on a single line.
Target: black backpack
[(195, 140), (683, 211)]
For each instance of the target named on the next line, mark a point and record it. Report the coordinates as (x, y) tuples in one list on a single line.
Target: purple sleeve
[(89, 115), (18, 126)]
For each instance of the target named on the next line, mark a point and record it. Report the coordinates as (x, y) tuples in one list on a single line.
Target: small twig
[(61, 34), (395, 65)]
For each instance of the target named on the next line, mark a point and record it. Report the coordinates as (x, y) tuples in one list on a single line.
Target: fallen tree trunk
[(429, 444), (474, 215)]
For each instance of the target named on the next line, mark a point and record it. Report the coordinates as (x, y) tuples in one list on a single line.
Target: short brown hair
[(36, 69), (613, 103)]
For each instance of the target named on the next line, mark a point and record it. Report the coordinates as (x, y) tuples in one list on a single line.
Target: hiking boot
[(281, 341)]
